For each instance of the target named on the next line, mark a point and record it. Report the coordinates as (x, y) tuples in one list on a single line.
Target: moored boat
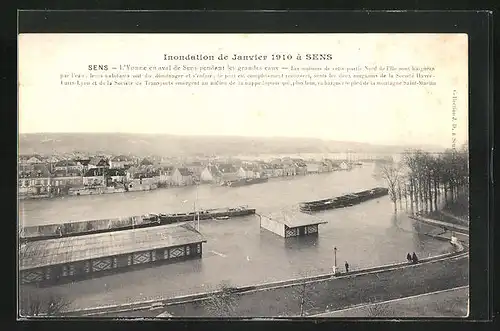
[(346, 200), (206, 214), (52, 231), (246, 181)]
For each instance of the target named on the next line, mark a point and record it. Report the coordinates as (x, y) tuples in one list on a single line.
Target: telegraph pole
[(335, 260), (196, 213)]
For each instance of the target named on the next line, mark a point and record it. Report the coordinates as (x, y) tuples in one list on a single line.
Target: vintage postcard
[(243, 175)]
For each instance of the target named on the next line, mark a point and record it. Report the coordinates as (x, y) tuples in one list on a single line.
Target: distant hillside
[(171, 145)]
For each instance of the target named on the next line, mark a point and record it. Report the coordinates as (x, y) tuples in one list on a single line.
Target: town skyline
[(183, 145)]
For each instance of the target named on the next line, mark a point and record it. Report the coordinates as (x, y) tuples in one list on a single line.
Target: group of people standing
[(412, 258)]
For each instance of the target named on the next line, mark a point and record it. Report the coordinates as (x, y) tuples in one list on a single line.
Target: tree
[(391, 173), (222, 302), (36, 304), (400, 191), (303, 294), (428, 177)]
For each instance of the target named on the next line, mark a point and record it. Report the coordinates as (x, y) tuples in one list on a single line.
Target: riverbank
[(446, 303), (453, 212), (444, 216), (445, 225), (333, 293), (429, 274), (237, 246)]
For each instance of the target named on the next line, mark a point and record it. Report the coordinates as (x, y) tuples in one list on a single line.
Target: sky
[(379, 115)]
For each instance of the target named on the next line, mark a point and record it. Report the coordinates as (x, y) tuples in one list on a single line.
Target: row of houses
[(56, 163), (39, 178), (197, 172)]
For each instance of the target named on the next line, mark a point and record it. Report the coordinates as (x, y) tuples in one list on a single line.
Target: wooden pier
[(53, 260)]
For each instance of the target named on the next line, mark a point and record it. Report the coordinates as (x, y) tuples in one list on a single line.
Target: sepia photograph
[(269, 175)]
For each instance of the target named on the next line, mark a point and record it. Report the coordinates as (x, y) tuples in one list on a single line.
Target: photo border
[(476, 24)]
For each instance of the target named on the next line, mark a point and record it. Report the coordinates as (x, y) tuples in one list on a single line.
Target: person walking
[(59, 231), (408, 257), (414, 258), (346, 267)]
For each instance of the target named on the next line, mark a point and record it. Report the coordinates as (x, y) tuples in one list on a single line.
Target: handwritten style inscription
[(454, 120)]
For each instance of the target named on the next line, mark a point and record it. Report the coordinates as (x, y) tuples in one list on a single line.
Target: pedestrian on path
[(408, 257), (414, 258), (59, 231), (346, 267)]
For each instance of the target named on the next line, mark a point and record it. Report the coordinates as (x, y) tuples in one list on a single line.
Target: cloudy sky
[(382, 115)]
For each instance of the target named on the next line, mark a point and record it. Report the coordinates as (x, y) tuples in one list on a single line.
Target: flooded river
[(278, 193), (237, 249)]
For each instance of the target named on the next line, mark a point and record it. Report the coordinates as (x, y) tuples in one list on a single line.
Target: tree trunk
[(430, 193), (427, 195), (436, 192), (421, 193), (452, 192), (415, 194), (400, 197), (425, 201), (445, 194), (406, 198), (411, 197), (302, 299)]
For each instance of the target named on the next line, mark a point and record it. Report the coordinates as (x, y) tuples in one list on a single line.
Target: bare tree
[(406, 192), (391, 173), (431, 176), (303, 294), (399, 191), (222, 302), (35, 304)]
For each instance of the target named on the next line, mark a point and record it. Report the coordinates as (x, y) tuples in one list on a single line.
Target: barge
[(346, 200), (245, 181), (72, 229), (203, 215)]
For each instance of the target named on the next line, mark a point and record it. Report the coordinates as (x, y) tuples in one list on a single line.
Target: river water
[(237, 249), (278, 193)]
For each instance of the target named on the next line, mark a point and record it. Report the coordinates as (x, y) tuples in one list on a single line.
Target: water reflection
[(309, 242), (195, 265)]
